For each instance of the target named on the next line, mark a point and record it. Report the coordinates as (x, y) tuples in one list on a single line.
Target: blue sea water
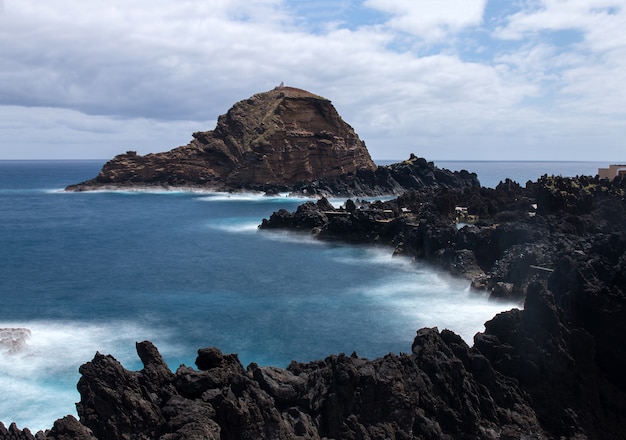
[(98, 271)]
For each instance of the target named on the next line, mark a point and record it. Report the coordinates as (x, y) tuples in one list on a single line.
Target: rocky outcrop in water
[(276, 138), (286, 139)]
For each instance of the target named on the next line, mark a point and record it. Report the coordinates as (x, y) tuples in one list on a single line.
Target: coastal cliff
[(552, 370), (275, 138), (283, 140)]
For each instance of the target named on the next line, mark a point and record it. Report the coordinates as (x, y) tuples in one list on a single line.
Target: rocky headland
[(283, 140), (499, 238), (553, 369)]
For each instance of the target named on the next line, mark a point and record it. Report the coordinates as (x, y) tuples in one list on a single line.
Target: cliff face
[(286, 136), (276, 138)]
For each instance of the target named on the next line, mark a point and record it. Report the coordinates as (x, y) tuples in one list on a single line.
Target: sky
[(443, 79)]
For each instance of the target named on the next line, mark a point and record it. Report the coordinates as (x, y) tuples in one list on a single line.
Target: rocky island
[(552, 369), (283, 140)]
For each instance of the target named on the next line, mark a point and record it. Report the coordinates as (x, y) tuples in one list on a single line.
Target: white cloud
[(97, 78), (53, 133), (584, 75), (431, 19), (589, 16)]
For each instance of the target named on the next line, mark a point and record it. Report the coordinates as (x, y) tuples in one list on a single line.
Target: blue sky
[(444, 79)]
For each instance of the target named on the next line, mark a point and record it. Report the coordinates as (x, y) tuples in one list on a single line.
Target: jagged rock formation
[(443, 389), (286, 139), (398, 178)]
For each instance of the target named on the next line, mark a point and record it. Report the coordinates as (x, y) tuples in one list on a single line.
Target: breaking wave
[(39, 365)]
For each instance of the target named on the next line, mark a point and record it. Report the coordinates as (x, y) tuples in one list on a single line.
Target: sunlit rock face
[(285, 136), (280, 137)]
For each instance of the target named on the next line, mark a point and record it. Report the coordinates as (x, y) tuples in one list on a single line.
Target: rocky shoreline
[(501, 239), (385, 180), (553, 369)]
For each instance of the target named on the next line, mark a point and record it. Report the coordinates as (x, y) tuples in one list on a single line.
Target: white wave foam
[(377, 256), (435, 300), (38, 381), (13, 340), (251, 197), (129, 191), (234, 226), (402, 266), (292, 237), (141, 190)]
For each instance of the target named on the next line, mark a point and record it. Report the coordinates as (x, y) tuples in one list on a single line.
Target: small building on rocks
[(612, 172)]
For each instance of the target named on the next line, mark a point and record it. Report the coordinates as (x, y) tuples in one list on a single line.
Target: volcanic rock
[(277, 138), (509, 243), (443, 389), (286, 139)]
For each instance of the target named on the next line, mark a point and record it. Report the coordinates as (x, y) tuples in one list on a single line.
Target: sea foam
[(38, 376)]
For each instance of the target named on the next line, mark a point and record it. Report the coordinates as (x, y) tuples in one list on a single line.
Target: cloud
[(97, 77), (431, 19), (157, 57), (583, 74), (554, 15), (53, 133)]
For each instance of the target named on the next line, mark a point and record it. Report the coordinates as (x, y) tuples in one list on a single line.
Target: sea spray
[(38, 375)]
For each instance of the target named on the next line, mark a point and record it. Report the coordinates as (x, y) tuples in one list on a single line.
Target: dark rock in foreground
[(443, 389)]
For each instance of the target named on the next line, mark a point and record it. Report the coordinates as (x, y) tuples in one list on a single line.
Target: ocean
[(98, 271)]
